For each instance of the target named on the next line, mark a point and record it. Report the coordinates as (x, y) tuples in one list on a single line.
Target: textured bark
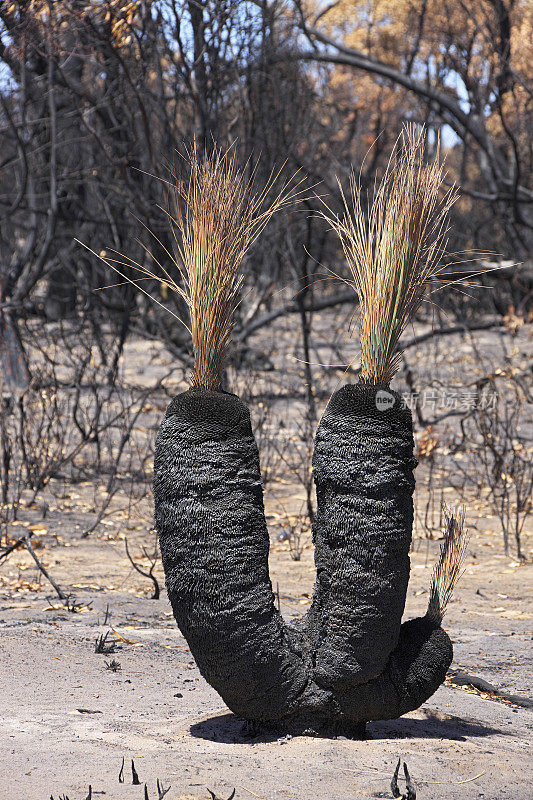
[(363, 467), (214, 545)]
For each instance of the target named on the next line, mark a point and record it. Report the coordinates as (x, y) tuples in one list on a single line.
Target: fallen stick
[(461, 678), (31, 551)]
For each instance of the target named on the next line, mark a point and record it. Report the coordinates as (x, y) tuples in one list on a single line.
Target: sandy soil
[(69, 720)]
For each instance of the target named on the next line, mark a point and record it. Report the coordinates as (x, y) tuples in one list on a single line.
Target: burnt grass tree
[(350, 659)]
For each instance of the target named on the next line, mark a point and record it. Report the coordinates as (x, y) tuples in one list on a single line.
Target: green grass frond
[(216, 215), (393, 245)]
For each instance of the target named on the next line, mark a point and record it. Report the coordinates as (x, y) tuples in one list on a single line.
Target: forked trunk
[(349, 661)]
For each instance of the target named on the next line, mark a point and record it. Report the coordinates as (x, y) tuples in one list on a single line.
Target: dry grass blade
[(447, 570), (394, 246), (216, 215)]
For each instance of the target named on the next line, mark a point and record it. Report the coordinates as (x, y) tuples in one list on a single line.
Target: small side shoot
[(448, 568)]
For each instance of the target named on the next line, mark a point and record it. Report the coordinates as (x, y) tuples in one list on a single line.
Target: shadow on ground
[(230, 729), (432, 725)]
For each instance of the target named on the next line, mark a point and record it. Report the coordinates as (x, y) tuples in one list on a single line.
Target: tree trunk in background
[(14, 373), (60, 302)]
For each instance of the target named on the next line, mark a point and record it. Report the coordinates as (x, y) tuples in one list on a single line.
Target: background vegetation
[(95, 99)]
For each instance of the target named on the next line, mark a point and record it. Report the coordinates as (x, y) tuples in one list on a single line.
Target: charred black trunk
[(363, 467), (214, 546), (349, 661)]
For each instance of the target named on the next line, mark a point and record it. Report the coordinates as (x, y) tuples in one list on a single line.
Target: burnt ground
[(71, 715)]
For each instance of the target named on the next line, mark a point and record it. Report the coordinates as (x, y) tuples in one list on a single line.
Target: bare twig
[(150, 573), (9, 549)]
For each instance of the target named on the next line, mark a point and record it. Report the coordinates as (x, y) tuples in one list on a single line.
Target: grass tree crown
[(394, 246), (217, 216)]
